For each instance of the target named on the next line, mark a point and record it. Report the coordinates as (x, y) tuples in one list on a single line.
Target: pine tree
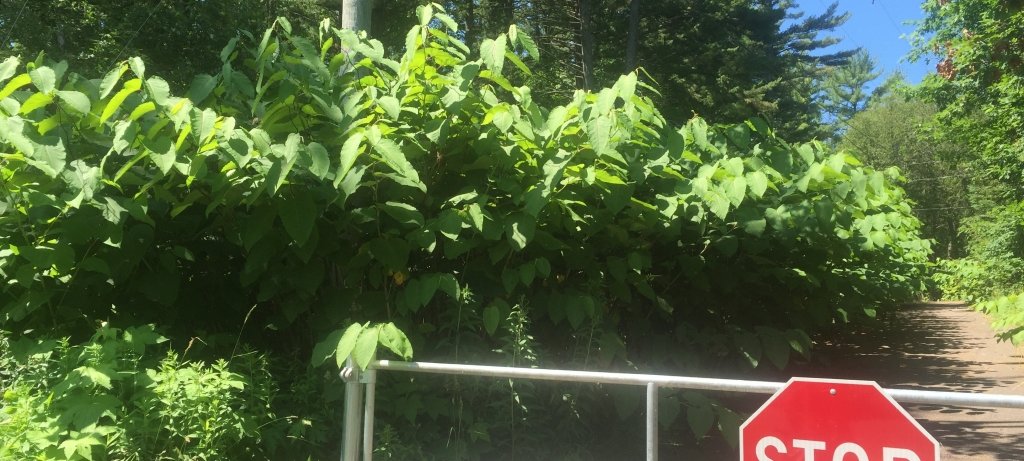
[(844, 90)]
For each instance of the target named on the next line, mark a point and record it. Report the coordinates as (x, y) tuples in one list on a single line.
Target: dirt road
[(933, 346), (940, 346)]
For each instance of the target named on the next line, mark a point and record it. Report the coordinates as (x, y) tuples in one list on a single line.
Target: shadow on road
[(973, 439), (919, 347), (933, 346), (937, 346)]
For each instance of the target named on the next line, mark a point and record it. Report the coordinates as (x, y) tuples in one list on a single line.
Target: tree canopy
[(898, 131), (177, 39), (978, 90)]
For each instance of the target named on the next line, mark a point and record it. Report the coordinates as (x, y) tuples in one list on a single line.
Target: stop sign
[(834, 420)]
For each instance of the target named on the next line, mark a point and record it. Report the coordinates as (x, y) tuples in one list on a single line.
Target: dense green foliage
[(724, 60), (978, 86), (176, 39), (898, 131), (978, 89), (302, 189), (844, 91), (112, 397), (992, 276), (1007, 316)]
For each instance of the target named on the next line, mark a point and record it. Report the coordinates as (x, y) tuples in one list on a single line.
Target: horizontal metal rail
[(355, 379), (597, 377), (943, 398)]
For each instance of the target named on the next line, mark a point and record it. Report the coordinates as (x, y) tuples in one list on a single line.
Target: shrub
[(430, 201), (114, 397)]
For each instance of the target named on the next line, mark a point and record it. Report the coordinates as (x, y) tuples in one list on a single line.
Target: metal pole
[(962, 399), (370, 378), (636, 379), (353, 405), (652, 422), (956, 399)]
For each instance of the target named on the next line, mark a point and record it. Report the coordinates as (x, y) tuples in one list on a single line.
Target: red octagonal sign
[(833, 420)]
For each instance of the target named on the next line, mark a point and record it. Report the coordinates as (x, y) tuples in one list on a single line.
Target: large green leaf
[(324, 349), (159, 91), (138, 66), (758, 183), (298, 212), (8, 68), (201, 87), (131, 86), (492, 52), (36, 101), (162, 152), (729, 425), (44, 79), (718, 203), (50, 158), (76, 100), (491, 317), (403, 213), (285, 157), (393, 253), (14, 85), (395, 340), (320, 161), (12, 131), (240, 149), (700, 417), (349, 153), (110, 80), (347, 343), (203, 122), (735, 190), (392, 155), (98, 376), (775, 345), (520, 228), (391, 106), (366, 346), (749, 347)]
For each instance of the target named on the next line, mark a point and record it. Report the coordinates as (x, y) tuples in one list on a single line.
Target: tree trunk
[(471, 24), (355, 14), (587, 38), (502, 13), (634, 35)]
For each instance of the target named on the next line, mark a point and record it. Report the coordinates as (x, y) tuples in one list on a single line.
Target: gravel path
[(933, 346), (941, 346)]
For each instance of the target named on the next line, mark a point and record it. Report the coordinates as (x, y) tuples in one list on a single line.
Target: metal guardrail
[(355, 380)]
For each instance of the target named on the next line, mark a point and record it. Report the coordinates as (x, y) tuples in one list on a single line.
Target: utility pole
[(355, 14), (633, 36), (587, 39)]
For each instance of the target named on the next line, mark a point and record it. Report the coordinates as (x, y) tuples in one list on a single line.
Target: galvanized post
[(652, 422), (353, 407), (370, 378)]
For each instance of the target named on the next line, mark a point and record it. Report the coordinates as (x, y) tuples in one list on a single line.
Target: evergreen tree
[(844, 90), (724, 59)]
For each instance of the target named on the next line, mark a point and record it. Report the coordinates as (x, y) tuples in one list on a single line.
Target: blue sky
[(877, 26)]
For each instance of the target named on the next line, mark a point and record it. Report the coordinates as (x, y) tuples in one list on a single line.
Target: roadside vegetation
[(979, 95), (189, 257)]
